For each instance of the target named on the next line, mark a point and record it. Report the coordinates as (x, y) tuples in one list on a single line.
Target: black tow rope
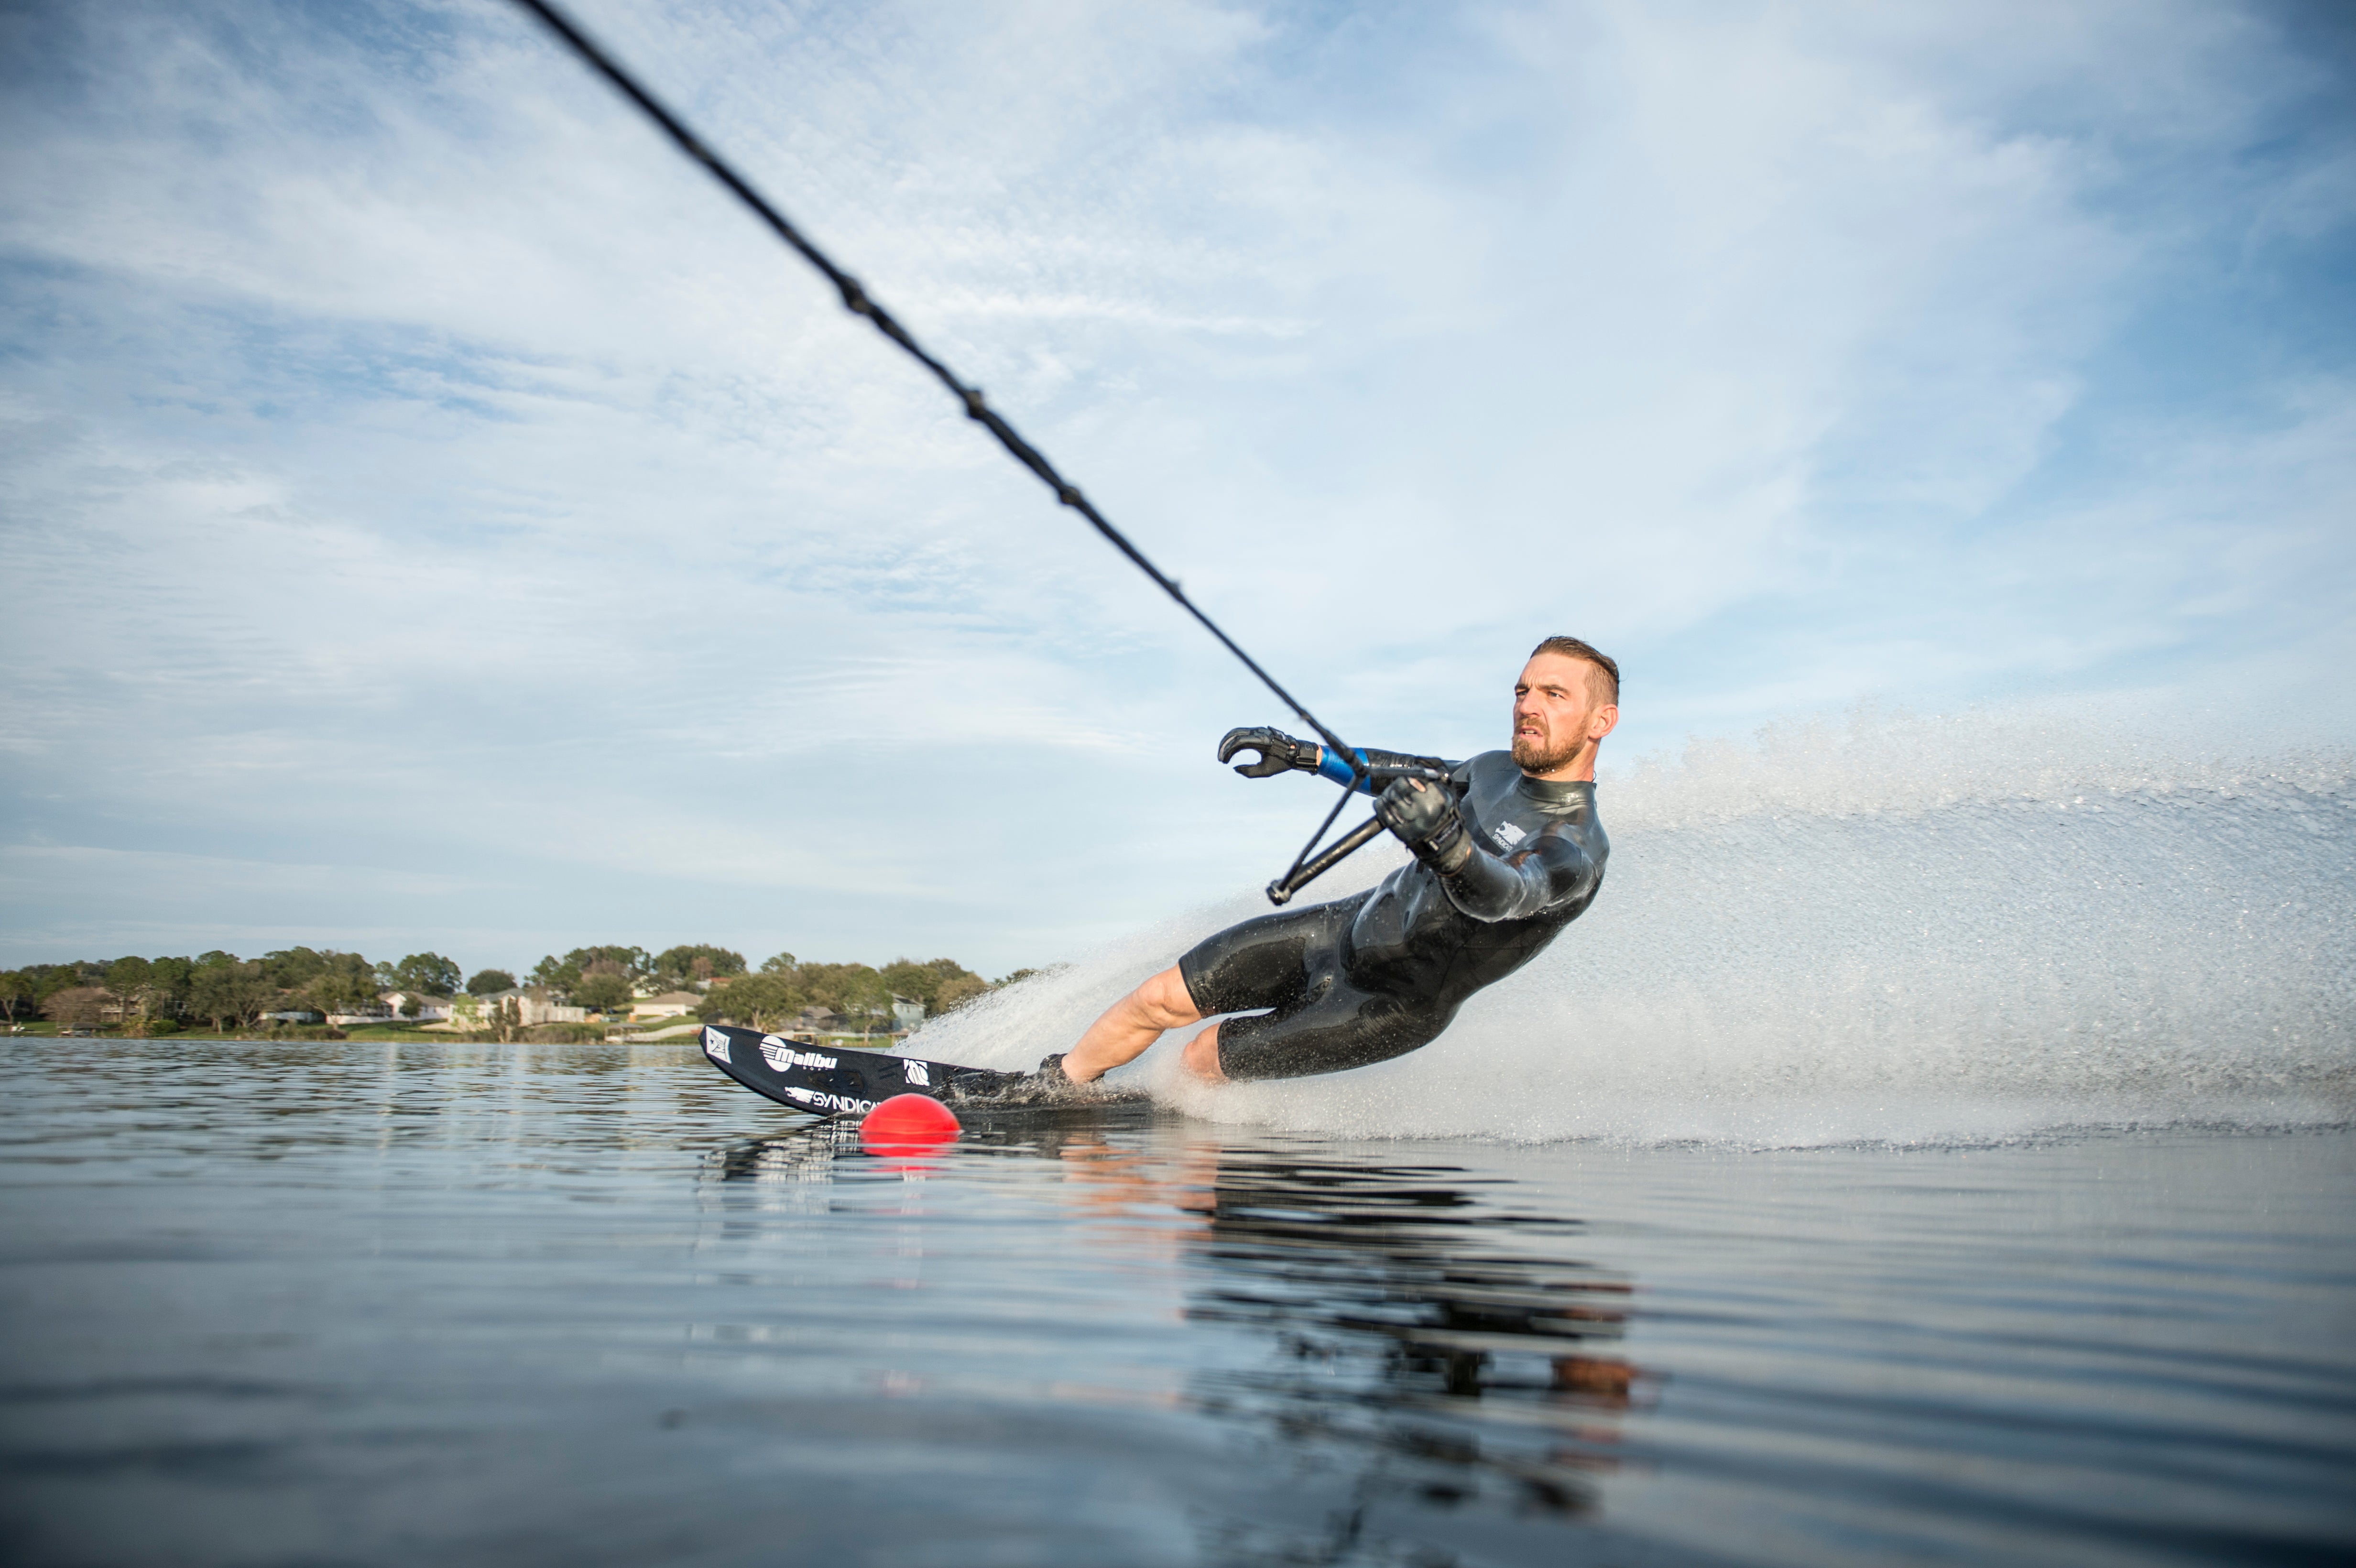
[(859, 303)]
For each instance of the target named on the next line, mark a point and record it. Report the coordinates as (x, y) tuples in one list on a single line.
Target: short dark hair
[(1577, 648)]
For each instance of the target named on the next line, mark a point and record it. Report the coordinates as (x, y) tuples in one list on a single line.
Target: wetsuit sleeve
[(1335, 768), (1554, 869)]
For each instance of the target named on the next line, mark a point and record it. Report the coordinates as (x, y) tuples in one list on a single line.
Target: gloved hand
[(1277, 751), (1424, 817)]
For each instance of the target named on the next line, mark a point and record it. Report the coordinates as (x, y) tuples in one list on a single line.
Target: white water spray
[(1892, 930)]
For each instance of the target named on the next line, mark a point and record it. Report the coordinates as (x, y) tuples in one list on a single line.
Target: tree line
[(784, 987), (219, 989), (772, 997)]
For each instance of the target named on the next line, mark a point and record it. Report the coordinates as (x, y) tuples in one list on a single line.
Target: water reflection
[(1391, 1334), (1413, 1326)]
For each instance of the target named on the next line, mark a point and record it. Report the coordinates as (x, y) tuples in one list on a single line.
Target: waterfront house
[(430, 1010), (669, 1005), (535, 1006)]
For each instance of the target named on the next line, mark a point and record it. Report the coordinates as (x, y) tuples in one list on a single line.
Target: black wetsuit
[(1375, 976)]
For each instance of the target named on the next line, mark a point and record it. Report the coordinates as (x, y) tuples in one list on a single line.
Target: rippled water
[(342, 1303)]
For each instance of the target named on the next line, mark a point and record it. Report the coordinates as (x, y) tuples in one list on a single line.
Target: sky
[(437, 519)]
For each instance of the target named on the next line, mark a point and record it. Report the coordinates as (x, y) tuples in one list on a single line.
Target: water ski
[(829, 1080)]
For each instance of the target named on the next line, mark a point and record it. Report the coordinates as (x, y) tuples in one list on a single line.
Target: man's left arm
[(1549, 871), (1552, 868)]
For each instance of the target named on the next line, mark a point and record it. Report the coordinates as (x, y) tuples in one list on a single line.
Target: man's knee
[(1164, 1002), (1202, 1056)]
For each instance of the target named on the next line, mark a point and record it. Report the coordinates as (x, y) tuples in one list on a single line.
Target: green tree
[(554, 974), (151, 990), (19, 995), (957, 991), (223, 991), (636, 964), (171, 978), (854, 990), (602, 992), (759, 1001), (255, 995), (208, 989), (49, 979), (678, 968), (490, 982), (129, 979), (290, 967), (607, 979), (422, 974), (343, 983), (347, 977), (780, 964), (562, 973), (940, 984)]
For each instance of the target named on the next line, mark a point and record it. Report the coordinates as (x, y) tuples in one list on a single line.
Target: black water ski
[(830, 1082)]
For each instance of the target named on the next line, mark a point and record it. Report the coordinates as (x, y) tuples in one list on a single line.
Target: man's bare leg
[(1135, 1022), (1202, 1058)]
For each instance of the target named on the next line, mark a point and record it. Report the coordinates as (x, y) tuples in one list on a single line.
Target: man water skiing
[(1506, 854)]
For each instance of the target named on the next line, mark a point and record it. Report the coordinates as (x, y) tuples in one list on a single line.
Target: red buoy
[(908, 1124)]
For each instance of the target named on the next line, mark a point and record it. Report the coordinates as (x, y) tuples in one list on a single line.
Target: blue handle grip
[(1335, 768)]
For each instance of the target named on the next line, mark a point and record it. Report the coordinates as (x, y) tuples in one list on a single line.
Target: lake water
[(344, 1303)]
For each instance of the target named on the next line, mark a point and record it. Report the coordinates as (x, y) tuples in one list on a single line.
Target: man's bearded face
[(1554, 706), (1533, 754)]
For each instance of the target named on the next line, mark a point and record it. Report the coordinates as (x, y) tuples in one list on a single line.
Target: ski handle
[(1280, 892)]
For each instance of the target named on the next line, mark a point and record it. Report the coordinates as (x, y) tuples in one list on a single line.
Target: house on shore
[(430, 1010), (387, 1009), (532, 1006), (669, 1005)]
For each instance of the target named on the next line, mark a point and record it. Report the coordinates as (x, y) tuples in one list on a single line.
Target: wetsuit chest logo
[(1509, 834)]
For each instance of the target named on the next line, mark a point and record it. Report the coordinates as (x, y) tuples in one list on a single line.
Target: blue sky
[(436, 518)]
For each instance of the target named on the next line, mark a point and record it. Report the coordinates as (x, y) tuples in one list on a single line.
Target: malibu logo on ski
[(781, 1055)]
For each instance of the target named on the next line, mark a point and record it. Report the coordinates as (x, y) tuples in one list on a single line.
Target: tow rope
[(857, 300)]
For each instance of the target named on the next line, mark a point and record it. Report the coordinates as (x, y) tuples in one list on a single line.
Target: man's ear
[(1609, 715)]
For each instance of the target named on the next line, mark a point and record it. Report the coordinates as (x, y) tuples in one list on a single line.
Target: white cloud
[(412, 462)]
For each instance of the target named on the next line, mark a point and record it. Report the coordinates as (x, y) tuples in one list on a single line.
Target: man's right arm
[(1280, 752), (1334, 768)]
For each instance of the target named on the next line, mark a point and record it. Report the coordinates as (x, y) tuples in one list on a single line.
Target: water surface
[(359, 1303)]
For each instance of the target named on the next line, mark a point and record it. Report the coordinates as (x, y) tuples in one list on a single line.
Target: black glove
[(1277, 751), (1424, 817)]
